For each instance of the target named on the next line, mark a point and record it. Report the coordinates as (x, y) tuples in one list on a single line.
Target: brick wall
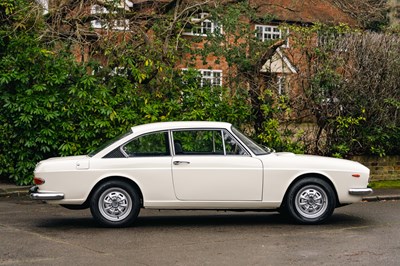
[(382, 168)]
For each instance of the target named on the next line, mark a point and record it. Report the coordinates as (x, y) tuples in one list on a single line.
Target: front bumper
[(360, 191), (34, 194)]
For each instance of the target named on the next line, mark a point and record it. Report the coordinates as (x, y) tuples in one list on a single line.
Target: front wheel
[(310, 201), (115, 204)]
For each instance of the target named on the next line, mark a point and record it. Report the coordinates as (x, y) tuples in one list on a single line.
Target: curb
[(14, 192), (381, 198)]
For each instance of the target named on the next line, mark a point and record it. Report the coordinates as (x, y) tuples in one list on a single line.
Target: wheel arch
[(112, 178), (310, 175)]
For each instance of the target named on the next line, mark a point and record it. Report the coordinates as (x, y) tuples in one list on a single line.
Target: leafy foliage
[(56, 102), (350, 87), (52, 105)]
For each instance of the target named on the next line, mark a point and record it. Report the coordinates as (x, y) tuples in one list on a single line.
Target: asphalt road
[(33, 233)]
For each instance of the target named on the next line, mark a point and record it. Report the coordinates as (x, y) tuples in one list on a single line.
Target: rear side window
[(154, 144)]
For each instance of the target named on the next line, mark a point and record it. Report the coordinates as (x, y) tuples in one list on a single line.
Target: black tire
[(115, 204), (310, 201)]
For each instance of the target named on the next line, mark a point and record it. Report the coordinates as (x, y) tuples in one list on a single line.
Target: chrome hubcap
[(311, 201), (115, 204)]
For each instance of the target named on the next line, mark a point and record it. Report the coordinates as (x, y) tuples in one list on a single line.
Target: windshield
[(108, 143), (254, 147)]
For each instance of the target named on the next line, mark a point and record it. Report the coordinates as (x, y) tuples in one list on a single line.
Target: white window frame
[(96, 24), (203, 26), (211, 76), (102, 24), (45, 5), (116, 71), (115, 24), (119, 71), (282, 85), (97, 9), (211, 79), (120, 24), (120, 4), (271, 32)]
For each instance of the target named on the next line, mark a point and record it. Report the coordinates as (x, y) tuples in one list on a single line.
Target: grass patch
[(385, 184)]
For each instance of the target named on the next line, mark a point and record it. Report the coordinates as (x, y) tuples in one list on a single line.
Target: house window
[(119, 71), (120, 24), (45, 5), (281, 85), (116, 24), (269, 32), (201, 25), (114, 72), (211, 77), (96, 9)]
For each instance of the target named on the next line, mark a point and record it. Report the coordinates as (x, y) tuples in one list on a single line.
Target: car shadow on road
[(180, 219), (243, 219)]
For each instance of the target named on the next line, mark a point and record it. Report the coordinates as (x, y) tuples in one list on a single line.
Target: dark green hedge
[(53, 106)]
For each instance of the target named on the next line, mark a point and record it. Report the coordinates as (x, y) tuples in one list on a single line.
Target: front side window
[(232, 147), (154, 144), (206, 142), (198, 142), (253, 146)]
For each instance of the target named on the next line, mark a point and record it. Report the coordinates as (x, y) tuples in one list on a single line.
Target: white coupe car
[(197, 166)]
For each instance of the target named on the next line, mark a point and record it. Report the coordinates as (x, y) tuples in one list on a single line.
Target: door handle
[(181, 162)]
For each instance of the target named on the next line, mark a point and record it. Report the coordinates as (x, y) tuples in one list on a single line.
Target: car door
[(210, 165), (148, 161)]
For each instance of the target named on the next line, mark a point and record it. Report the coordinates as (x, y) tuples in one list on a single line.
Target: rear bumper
[(360, 191), (34, 194)]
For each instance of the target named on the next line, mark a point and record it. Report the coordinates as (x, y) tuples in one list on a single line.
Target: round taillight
[(38, 181)]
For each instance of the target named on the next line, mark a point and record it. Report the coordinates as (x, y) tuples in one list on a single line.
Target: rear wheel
[(115, 204), (310, 201)]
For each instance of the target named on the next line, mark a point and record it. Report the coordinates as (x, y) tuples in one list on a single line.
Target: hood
[(299, 161)]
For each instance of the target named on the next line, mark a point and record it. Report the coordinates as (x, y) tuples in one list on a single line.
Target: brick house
[(283, 64)]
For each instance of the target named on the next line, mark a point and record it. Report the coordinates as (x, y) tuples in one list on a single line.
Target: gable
[(279, 63)]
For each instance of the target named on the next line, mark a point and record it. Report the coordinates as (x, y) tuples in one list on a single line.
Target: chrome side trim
[(44, 196), (360, 191), (47, 196)]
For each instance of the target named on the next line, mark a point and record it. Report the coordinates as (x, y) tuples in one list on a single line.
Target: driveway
[(42, 234)]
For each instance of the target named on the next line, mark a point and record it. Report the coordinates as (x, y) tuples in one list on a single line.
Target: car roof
[(178, 125)]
